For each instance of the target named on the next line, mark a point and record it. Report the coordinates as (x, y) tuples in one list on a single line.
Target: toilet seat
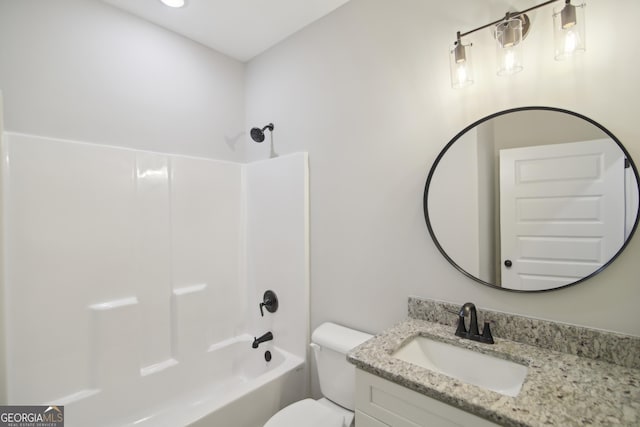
[(308, 413)]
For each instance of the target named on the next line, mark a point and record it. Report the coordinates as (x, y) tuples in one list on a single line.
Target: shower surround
[(126, 270)]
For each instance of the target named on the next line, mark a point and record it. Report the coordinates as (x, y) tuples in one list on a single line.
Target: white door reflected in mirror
[(562, 211)]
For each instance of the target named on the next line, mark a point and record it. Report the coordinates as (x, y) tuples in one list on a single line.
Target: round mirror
[(532, 199)]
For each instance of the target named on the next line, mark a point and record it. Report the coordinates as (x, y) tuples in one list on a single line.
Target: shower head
[(257, 134)]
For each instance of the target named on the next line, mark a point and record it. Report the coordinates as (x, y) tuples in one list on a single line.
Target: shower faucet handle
[(270, 301)]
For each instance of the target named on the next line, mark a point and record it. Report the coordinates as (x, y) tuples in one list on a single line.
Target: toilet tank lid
[(338, 338)]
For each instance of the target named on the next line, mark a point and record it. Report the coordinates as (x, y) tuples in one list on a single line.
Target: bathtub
[(231, 385)]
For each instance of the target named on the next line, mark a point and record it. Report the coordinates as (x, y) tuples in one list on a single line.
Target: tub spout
[(257, 341)]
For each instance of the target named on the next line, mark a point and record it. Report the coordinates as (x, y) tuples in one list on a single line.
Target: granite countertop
[(560, 389)]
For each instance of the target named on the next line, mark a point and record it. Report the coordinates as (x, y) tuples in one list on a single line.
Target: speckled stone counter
[(610, 347), (560, 389)]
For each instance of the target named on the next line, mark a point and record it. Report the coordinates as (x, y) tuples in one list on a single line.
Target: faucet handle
[(486, 333), (270, 301)]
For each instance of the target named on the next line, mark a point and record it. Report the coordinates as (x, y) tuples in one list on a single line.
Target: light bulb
[(509, 62), (571, 42), (462, 74)]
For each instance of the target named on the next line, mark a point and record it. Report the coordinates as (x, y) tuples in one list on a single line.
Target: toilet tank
[(337, 376)]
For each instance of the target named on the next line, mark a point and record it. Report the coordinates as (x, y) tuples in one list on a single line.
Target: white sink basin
[(493, 373)]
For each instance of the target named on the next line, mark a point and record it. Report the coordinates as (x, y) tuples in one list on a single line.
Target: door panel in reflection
[(561, 212)]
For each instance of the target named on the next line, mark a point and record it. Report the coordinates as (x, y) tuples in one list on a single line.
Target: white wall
[(366, 92), (83, 70), (486, 210), (531, 128), (454, 208)]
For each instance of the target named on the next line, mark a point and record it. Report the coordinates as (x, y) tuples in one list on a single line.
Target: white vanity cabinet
[(382, 403)]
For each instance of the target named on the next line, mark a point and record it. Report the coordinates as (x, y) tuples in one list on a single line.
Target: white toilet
[(330, 343)]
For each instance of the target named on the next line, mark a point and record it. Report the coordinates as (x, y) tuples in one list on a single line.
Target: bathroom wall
[(488, 221), (366, 92), (553, 129), (450, 220), (83, 70)]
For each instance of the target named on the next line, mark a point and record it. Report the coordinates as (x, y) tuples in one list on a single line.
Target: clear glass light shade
[(461, 65), (508, 36), (569, 30)]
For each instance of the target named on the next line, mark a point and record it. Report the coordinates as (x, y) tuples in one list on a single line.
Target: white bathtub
[(231, 385)]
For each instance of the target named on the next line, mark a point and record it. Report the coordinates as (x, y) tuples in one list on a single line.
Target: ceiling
[(241, 29)]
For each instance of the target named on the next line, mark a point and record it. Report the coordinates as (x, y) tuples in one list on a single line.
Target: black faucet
[(469, 309), (257, 341)]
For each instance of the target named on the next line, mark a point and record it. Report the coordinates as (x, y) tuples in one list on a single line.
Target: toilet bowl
[(330, 343), (312, 413)]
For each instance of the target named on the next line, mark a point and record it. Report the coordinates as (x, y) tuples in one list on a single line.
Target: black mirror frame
[(500, 113)]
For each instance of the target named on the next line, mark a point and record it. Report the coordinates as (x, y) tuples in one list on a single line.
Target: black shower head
[(257, 134)]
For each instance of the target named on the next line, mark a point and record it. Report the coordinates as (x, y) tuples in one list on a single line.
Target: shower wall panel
[(277, 192), (119, 264)]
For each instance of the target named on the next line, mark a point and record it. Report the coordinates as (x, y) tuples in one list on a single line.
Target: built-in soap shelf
[(115, 345), (157, 367), (75, 397), (115, 337)]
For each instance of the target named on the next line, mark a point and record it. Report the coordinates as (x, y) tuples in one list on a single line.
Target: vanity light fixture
[(173, 3), (568, 27), (460, 64), (509, 33)]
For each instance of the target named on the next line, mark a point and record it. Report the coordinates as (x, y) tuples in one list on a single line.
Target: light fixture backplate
[(526, 24)]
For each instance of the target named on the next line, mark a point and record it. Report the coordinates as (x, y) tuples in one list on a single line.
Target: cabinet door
[(396, 406), (364, 420)]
